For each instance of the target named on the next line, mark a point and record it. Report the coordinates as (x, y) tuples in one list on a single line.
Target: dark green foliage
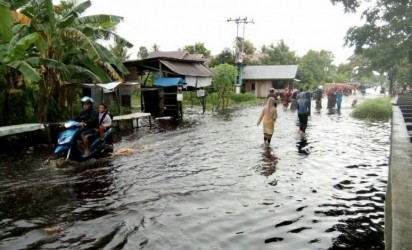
[(374, 109), (247, 97)]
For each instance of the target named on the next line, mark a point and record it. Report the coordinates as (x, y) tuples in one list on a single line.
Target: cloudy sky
[(172, 24)]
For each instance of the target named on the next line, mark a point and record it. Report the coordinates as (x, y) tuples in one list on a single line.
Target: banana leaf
[(114, 60), (28, 72), (67, 70), (18, 46), (6, 32), (77, 9), (96, 69), (16, 4), (105, 21)]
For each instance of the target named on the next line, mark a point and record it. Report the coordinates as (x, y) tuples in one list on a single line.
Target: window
[(253, 86)]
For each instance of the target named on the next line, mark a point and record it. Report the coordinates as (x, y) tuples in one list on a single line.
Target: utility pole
[(240, 51)]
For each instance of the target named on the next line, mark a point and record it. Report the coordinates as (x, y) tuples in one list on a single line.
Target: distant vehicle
[(68, 143)]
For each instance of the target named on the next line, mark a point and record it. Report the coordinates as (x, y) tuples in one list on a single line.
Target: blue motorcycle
[(68, 143)]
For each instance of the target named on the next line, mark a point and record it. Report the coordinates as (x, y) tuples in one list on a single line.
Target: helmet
[(87, 99), (272, 90)]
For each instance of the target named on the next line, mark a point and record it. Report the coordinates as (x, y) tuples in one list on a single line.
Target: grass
[(212, 100), (377, 109), (191, 99)]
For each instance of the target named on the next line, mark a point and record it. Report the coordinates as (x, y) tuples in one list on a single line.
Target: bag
[(104, 116)]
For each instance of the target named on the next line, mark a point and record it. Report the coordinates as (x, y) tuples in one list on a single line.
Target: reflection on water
[(269, 161), (208, 183), (302, 146)]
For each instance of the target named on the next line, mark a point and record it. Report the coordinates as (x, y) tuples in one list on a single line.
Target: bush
[(247, 97), (374, 109)]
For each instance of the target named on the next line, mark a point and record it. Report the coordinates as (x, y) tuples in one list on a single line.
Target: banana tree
[(68, 48), (15, 71)]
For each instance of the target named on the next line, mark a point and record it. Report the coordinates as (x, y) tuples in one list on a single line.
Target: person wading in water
[(268, 115)]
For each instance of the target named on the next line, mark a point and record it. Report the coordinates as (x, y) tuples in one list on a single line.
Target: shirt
[(89, 117), (303, 106), (107, 121)]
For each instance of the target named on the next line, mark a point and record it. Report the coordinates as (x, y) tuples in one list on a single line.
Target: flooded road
[(209, 184)]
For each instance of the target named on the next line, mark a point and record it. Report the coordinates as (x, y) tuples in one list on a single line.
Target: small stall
[(182, 70), (165, 98)]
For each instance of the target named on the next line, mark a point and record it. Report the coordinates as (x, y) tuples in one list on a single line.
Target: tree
[(15, 71), (226, 56), (278, 55), (120, 51), (197, 48), (248, 47), (155, 47), (316, 67), (67, 49), (385, 38), (143, 52), (223, 83)]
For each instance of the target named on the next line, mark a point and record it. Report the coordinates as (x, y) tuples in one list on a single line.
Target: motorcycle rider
[(89, 122)]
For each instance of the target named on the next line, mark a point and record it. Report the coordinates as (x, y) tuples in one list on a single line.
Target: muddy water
[(208, 184)]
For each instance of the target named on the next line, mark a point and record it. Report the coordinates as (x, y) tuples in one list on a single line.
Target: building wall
[(260, 88), (133, 74)]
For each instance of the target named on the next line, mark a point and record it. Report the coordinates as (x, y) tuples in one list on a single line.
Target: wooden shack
[(165, 98), (188, 69), (114, 94)]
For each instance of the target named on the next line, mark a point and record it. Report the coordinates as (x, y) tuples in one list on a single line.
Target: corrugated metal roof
[(176, 55), (189, 69), (167, 54), (270, 72)]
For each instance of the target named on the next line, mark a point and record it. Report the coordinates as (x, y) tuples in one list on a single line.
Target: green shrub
[(247, 97), (374, 109)]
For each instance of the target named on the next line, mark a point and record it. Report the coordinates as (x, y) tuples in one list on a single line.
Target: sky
[(303, 24)]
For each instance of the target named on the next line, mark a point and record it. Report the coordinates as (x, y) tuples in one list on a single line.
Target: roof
[(176, 55), (188, 69), (110, 85), (178, 63), (169, 81), (270, 72)]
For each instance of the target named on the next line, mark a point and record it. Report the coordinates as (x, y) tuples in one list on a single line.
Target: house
[(259, 79)]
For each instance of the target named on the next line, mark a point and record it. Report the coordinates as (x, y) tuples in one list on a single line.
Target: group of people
[(268, 114), (92, 122), (335, 96)]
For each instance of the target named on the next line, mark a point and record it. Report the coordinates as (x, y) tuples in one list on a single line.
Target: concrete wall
[(398, 204)]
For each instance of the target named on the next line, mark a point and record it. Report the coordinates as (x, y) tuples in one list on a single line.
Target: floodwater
[(208, 184)]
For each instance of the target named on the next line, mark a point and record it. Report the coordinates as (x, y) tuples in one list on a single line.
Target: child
[(105, 121)]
